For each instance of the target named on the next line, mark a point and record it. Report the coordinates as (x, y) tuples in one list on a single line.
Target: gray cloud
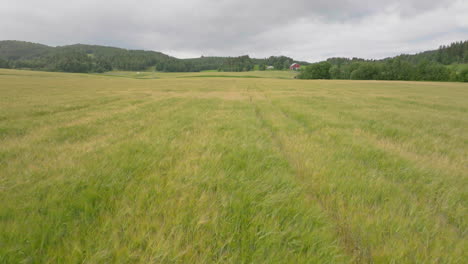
[(309, 30)]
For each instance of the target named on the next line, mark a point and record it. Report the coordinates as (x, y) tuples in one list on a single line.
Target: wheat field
[(188, 168)]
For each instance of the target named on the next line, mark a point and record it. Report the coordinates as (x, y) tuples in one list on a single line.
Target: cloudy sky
[(309, 30)]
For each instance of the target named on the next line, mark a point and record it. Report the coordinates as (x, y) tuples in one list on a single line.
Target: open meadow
[(215, 167)]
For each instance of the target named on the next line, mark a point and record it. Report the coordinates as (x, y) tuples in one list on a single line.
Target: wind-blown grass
[(98, 169)]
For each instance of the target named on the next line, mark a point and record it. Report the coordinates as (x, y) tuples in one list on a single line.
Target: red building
[(294, 66)]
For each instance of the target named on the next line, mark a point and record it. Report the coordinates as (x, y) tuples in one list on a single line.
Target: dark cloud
[(309, 30)]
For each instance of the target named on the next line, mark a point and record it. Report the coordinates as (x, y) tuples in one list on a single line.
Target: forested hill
[(448, 63), (456, 52), (94, 58), (22, 50), (77, 58)]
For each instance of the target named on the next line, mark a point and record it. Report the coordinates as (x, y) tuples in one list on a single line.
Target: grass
[(164, 75), (98, 169), (220, 76)]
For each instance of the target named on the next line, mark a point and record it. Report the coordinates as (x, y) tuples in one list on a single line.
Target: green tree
[(319, 70), (366, 71), (335, 72), (237, 64), (4, 63), (431, 71), (71, 61)]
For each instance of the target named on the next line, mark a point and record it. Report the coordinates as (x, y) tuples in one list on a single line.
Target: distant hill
[(95, 58), (82, 58), (448, 63), (456, 52), (122, 59), (22, 50)]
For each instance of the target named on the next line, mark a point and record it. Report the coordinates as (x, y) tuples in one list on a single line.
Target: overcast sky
[(309, 30)]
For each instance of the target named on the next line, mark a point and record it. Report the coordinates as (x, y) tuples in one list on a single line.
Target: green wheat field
[(215, 167)]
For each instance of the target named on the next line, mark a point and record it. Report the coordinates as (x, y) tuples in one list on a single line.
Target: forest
[(448, 63), (76, 58), (93, 58)]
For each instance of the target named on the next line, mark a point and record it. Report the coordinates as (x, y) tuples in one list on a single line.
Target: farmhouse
[(294, 66)]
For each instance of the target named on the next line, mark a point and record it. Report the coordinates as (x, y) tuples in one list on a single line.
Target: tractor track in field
[(351, 245), (443, 217), (350, 240)]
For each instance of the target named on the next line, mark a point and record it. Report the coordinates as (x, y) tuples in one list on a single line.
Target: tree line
[(448, 63), (70, 61), (85, 58), (237, 64), (94, 58), (245, 63), (393, 69), (444, 64)]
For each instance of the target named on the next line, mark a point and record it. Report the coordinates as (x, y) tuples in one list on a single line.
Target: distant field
[(101, 169), (163, 75)]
